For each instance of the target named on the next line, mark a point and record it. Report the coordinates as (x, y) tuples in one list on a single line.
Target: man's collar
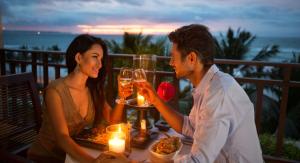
[(205, 80)]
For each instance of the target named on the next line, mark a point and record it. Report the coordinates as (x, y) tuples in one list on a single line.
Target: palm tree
[(237, 44), (234, 46), (138, 44)]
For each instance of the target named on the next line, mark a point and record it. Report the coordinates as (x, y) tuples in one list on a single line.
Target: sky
[(278, 18)]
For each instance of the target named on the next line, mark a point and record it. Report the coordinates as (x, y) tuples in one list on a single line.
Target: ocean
[(43, 40)]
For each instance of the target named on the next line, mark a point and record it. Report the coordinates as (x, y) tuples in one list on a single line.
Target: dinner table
[(142, 155)]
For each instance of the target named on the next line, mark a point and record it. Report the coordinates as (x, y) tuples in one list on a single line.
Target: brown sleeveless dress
[(45, 147)]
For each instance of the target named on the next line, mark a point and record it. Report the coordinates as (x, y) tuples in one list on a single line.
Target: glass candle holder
[(144, 67), (119, 138)]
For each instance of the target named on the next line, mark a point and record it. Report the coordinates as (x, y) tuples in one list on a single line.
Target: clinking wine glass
[(125, 80), (140, 76)]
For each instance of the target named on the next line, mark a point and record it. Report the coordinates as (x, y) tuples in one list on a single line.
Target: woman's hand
[(111, 157), (125, 88)]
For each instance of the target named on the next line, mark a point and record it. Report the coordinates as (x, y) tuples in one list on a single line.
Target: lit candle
[(116, 145), (140, 100), (143, 124)]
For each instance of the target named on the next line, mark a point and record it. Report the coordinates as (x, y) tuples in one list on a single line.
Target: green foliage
[(266, 52), (54, 48), (138, 44), (268, 145), (236, 44), (23, 47), (55, 57)]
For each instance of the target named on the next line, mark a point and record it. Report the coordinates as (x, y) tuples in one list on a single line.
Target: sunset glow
[(120, 29)]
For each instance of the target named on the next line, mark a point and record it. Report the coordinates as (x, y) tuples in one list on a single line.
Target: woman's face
[(90, 61)]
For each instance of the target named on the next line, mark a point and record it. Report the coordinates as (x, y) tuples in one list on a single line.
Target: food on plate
[(99, 138), (94, 135), (167, 145)]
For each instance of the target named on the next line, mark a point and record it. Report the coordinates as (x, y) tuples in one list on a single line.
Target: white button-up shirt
[(221, 122)]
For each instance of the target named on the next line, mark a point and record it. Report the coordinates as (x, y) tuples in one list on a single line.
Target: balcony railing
[(39, 60)]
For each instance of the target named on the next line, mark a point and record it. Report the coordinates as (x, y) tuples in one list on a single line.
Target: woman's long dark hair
[(81, 44)]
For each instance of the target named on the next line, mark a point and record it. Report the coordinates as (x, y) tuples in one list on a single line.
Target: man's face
[(181, 66)]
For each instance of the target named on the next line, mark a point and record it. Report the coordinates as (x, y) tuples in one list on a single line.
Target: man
[(221, 121)]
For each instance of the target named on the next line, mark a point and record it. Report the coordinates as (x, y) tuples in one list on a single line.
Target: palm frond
[(266, 53)]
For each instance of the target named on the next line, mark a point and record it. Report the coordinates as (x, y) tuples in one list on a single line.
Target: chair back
[(6, 157), (20, 112)]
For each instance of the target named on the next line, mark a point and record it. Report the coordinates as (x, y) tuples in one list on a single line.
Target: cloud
[(255, 15), (131, 2)]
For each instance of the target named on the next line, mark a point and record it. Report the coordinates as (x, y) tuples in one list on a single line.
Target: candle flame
[(140, 100), (143, 124)]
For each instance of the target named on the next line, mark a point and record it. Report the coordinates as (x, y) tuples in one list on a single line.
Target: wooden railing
[(10, 65)]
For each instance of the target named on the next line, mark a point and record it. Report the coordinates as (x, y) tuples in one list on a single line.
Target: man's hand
[(174, 119), (145, 89)]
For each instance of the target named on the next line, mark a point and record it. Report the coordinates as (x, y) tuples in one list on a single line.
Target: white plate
[(156, 157)]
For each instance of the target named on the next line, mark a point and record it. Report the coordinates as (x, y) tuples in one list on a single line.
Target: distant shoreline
[(43, 40)]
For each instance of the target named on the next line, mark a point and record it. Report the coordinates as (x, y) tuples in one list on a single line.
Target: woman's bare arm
[(113, 115)]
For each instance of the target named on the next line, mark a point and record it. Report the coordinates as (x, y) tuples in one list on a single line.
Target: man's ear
[(78, 58), (192, 57)]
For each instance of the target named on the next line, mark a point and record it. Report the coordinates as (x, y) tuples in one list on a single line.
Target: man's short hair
[(195, 38)]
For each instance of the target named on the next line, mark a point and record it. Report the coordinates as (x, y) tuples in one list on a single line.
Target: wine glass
[(140, 76), (125, 80)]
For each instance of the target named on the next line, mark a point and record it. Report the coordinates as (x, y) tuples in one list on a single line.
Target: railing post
[(34, 65), (176, 85), (23, 65), (12, 67), (2, 61), (282, 112), (110, 80), (258, 105), (45, 69), (57, 72), (155, 113)]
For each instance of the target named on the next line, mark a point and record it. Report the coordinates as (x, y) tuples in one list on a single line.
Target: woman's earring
[(77, 68)]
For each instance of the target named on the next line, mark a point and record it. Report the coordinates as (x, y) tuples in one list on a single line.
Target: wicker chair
[(20, 113)]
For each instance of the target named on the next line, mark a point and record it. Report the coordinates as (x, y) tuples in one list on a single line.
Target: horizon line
[(215, 34)]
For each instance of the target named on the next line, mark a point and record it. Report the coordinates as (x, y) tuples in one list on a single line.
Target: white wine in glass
[(125, 80)]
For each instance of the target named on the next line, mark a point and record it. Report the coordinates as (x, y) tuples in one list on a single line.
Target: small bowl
[(156, 157)]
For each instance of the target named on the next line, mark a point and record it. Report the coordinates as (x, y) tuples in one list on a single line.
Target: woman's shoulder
[(57, 84)]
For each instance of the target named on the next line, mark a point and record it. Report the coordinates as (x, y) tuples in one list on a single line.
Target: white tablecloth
[(136, 154)]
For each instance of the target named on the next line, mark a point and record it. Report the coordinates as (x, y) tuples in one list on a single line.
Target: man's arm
[(174, 119)]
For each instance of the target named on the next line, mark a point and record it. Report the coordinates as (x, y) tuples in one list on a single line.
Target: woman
[(75, 101)]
